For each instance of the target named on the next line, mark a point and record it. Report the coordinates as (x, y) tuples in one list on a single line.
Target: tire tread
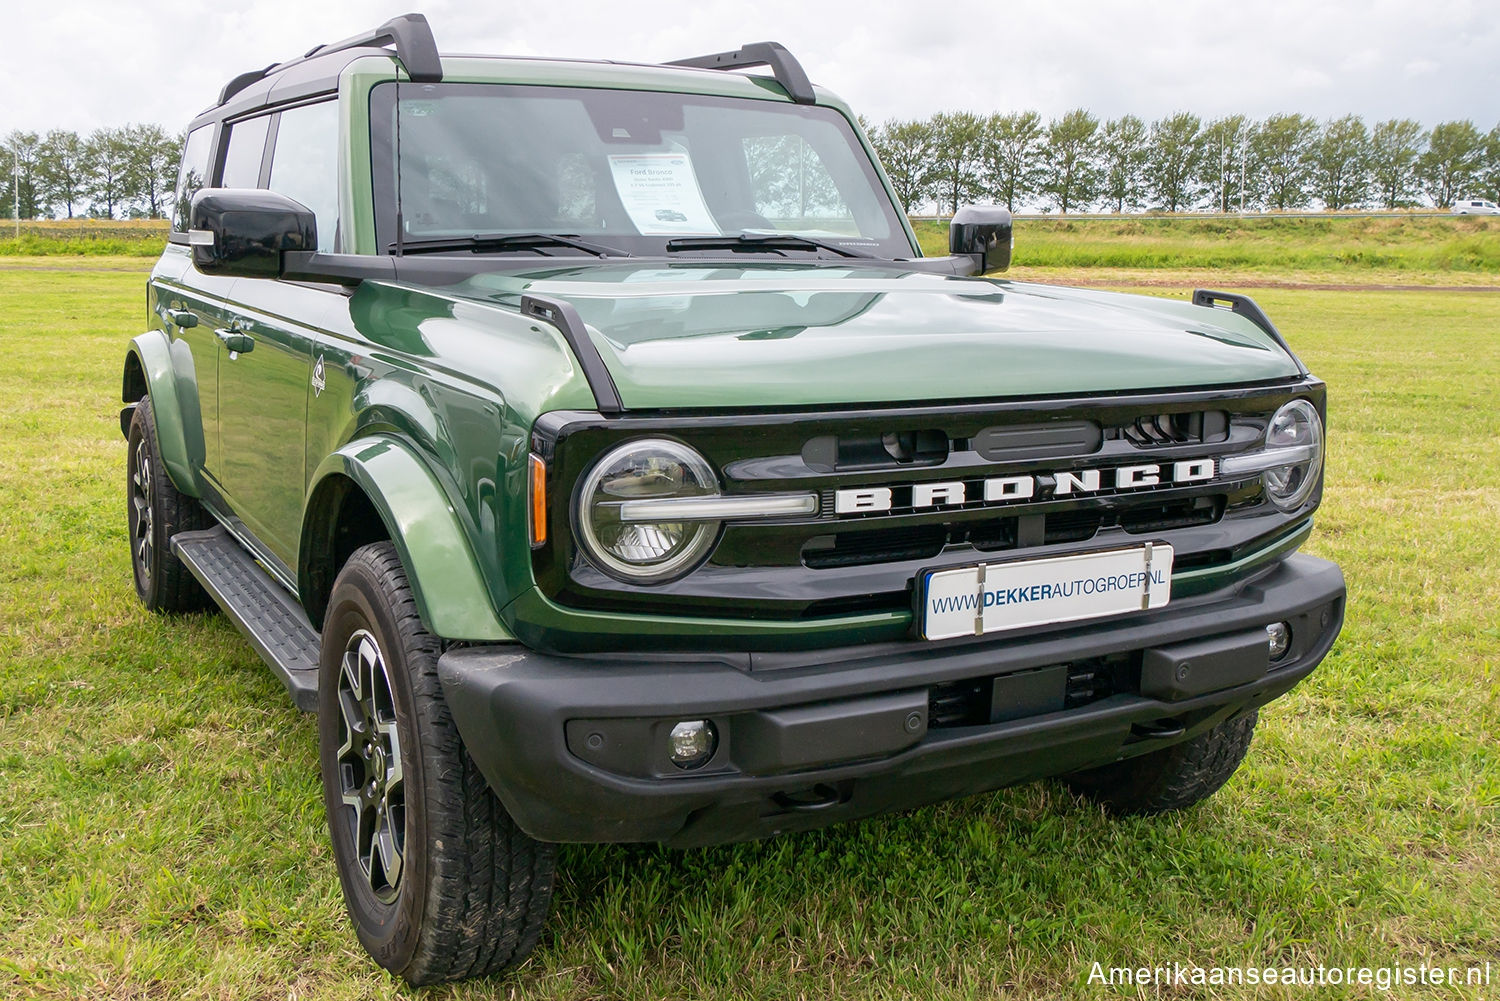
[(490, 884), (1173, 778), (174, 589)]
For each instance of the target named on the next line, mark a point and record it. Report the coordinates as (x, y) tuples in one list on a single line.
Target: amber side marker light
[(538, 502)]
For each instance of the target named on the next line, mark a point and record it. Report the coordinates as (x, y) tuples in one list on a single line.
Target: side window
[(192, 175), (247, 143), (305, 163)]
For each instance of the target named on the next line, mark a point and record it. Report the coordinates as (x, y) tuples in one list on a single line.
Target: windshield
[(641, 172)]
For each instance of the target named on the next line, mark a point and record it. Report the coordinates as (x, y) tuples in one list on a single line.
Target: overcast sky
[(78, 64)]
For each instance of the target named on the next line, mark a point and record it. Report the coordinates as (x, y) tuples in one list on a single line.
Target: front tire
[(1173, 778), (438, 880), (155, 510)]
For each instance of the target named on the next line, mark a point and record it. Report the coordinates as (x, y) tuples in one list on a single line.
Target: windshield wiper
[(505, 241), (758, 241)]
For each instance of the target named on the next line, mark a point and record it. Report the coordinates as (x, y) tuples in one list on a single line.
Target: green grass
[(161, 830), (87, 237), (1376, 243), (1468, 247)]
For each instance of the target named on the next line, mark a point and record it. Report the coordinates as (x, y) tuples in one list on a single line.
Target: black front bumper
[(576, 747)]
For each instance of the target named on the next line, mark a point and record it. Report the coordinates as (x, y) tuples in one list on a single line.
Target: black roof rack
[(242, 81), (784, 66), (409, 33)]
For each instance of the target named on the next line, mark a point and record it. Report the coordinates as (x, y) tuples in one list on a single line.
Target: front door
[(263, 393), (266, 372)]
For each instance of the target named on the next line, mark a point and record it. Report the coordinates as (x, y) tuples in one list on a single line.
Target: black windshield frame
[(896, 244)]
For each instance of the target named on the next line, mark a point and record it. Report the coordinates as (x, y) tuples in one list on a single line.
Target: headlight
[(1292, 458), (637, 550), (1294, 428)]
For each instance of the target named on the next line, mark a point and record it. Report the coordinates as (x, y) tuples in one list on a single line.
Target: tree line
[(110, 173), (1072, 163), (1181, 162)]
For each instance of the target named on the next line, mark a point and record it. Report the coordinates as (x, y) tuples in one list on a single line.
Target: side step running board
[(269, 617)]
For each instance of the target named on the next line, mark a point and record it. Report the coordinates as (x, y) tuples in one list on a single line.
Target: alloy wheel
[(371, 781), (143, 539)]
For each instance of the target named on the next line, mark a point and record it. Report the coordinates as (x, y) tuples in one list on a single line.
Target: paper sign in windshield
[(661, 194)]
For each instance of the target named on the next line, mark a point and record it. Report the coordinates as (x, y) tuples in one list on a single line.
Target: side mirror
[(242, 232), (984, 233)]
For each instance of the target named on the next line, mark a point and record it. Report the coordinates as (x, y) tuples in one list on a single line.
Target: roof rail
[(242, 81), (409, 33), (784, 66)]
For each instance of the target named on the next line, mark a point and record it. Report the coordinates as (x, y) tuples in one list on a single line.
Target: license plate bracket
[(984, 598)]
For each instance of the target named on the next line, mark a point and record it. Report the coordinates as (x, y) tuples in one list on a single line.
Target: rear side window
[(247, 145), (304, 165), (192, 175)]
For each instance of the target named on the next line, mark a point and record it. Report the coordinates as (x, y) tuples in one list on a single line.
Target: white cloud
[(85, 63)]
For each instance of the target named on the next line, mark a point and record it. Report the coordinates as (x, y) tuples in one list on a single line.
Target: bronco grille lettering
[(1011, 489)]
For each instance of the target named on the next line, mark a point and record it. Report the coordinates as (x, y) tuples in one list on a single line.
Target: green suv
[(591, 447)]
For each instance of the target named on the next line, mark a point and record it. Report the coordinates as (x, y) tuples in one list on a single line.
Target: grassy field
[(1388, 249), (91, 237), (1465, 245), (161, 830)]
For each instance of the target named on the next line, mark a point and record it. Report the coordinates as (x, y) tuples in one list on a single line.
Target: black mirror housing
[(242, 232), (983, 232)]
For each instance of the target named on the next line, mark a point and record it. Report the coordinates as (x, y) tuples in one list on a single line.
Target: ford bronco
[(592, 448)]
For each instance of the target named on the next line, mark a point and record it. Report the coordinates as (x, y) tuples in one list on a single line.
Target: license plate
[(994, 597)]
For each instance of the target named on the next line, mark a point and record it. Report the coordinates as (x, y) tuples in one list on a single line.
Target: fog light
[(1279, 637), (693, 743)]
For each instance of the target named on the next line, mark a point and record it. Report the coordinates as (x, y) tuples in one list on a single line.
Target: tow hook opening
[(817, 797), (1158, 729)]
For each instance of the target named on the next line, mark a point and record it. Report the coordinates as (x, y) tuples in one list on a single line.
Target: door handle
[(237, 341), (183, 318)]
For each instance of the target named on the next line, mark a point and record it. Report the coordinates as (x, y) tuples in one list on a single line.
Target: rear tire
[(155, 510), (438, 880), (1173, 778)]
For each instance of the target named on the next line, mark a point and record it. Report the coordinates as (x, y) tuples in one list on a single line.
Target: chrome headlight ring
[(650, 510), (1291, 463)]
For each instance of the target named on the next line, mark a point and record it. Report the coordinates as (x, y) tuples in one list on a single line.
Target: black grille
[(864, 560), (849, 549), (958, 703), (969, 702), (992, 535), (1087, 682), (1184, 513), (1100, 677), (1156, 430), (856, 604), (887, 545), (1072, 526)]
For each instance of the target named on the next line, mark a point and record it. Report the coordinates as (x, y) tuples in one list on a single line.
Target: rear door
[(189, 306)]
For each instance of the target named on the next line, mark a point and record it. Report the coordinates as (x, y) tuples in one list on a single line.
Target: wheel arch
[(148, 371), (376, 488)]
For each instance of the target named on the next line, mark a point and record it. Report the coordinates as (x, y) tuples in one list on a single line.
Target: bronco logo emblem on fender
[(1008, 489)]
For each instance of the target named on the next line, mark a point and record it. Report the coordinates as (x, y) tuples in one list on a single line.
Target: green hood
[(790, 335)]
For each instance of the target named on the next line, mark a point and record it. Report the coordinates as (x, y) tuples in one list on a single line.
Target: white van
[(1475, 206)]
